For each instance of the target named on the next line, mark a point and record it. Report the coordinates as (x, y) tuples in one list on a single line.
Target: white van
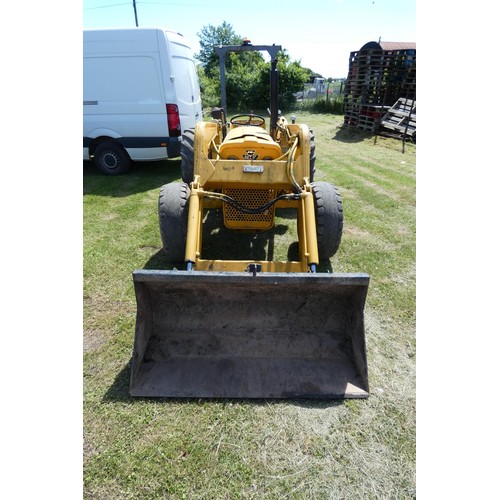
[(140, 92)]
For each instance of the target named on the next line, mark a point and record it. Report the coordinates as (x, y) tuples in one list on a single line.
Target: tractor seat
[(249, 143)]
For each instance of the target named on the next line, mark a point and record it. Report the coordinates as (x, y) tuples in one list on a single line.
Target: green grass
[(255, 449)]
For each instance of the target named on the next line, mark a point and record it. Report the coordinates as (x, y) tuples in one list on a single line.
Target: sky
[(321, 34)]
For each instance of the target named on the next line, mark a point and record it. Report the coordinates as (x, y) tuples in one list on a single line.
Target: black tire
[(111, 158), (187, 156), (173, 216), (329, 218), (312, 156)]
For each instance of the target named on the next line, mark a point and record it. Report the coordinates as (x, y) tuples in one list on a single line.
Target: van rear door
[(185, 80)]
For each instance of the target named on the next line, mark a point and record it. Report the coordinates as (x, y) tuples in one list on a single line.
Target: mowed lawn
[(160, 448)]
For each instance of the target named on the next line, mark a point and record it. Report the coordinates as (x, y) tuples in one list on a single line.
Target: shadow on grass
[(220, 242), (351, 135), (143, 176), (118, 392), (160, 261)]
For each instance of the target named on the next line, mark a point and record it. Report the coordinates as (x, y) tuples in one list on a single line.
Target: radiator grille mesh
[(251, 198)]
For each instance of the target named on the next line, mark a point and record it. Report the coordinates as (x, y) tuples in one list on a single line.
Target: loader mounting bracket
[(254, 268)]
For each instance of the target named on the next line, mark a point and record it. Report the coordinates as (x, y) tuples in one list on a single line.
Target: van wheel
[(329, 218), (187, 155), (173, 209), (111, 159)]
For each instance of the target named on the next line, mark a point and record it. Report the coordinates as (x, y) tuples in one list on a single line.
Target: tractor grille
[(251, 198)]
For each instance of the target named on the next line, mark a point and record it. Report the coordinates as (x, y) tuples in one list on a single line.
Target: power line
[(106, 6), (128, 3), (117, 5)]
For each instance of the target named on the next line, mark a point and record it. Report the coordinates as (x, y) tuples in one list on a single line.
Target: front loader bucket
[(234, 335)]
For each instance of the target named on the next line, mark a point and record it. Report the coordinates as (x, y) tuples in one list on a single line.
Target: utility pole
[(135, 13)]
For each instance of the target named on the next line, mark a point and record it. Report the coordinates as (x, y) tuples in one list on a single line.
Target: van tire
[(111, 158), (173, 206), (329, 218), (187, 155)]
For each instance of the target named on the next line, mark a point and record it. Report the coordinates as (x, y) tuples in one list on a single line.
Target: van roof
[(172, 35), (149, 28)]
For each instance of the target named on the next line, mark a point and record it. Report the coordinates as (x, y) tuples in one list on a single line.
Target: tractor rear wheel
[(173, 216), (187, 155), (329, 218)]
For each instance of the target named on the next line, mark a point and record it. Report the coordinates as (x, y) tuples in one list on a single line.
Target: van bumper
[(142, 148), (174, 147)]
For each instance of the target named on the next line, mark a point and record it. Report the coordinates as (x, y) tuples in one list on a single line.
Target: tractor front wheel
[(329, 218), (173, 209)]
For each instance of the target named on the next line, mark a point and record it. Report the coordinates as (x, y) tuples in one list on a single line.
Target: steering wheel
[(250, 119)]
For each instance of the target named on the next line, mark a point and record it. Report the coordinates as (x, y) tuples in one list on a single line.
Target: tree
[(215, 35), (292, 78), (243, 72), (247, 73)]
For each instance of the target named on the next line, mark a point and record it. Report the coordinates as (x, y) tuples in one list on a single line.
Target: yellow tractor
[(225, 328)]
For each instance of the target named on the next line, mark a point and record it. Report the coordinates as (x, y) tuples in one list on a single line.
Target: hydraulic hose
[(250, 210)]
